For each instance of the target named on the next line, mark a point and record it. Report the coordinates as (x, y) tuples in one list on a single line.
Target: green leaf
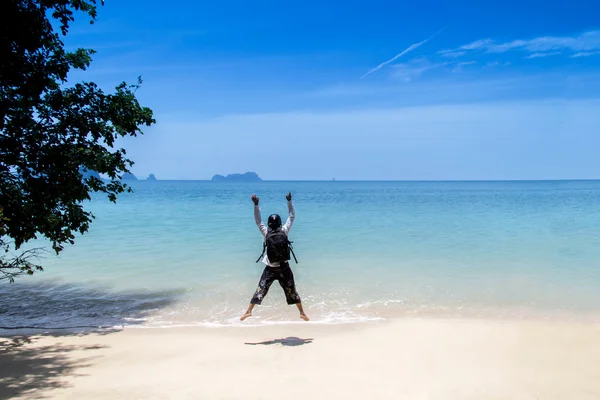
[(53, 135)]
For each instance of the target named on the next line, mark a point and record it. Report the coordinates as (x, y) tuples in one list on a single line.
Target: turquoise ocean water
[(183, 254)]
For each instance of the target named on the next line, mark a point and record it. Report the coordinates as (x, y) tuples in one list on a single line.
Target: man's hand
[(254, 199), (289, 196)]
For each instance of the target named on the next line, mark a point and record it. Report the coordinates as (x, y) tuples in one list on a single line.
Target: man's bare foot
[(304, 317), (248, 314)]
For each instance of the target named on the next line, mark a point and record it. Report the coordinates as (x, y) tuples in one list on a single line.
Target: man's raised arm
[(292, 214), (257, 217)]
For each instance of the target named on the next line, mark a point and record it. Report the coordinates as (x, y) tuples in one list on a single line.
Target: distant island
[(151, 177), (129, 176), (247, 177)]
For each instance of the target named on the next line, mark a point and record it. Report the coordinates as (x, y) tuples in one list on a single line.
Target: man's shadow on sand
[(288, 341)]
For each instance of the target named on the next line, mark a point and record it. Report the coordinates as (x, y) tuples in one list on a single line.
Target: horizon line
[(372, 180)]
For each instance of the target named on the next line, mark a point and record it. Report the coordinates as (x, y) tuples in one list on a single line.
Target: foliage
[(50, 132)]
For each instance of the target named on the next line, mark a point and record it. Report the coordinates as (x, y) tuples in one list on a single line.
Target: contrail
[(408, 50)]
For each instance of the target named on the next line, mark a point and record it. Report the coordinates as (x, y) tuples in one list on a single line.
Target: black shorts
[(285, 276)]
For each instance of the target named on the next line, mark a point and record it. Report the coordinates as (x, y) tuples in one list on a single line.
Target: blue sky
[(357, 90)]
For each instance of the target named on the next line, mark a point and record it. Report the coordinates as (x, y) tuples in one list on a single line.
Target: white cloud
[(420, 85), (583, 43), (476, 44), (542, 55), (462, 50), (452, 53), (585, 54), (405, 51), (458, 66), (413, 69), (498, 64)]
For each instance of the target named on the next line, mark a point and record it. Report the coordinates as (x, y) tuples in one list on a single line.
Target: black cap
[(274, 221)]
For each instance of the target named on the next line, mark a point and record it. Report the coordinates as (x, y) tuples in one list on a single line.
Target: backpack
[(278, 247)]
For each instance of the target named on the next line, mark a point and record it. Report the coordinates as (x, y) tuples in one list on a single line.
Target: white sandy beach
[(401, 359)]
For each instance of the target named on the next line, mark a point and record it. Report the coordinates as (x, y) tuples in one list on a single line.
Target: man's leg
[(302, 314), (248, 312), (286, 280), (264, 284)]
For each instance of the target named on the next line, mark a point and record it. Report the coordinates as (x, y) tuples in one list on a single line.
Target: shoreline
[(551, 317)]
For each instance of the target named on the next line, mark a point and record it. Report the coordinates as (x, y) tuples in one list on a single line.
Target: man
[(275, 270)]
